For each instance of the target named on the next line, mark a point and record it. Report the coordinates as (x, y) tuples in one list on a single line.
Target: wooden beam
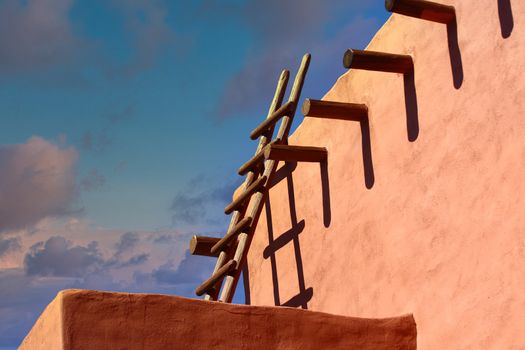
[(220, 273), (221, 244), (295, 153), (270, 121), (334, 110), (254, 187), (201, 245), (378, 61), (421, 9)]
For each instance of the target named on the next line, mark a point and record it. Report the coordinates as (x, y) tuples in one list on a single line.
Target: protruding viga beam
[(220, 273), (421, 9), (334, 110), (221, 244), (201, 245), (378, 61), (295, 153), (256, 186), (270, 121)]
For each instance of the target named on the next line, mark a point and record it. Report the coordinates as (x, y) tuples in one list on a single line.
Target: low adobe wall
[(80, 319), (422, 211)]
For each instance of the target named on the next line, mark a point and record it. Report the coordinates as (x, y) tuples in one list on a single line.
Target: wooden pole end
[(389, 5), (201, 245), (285, 74), (193, 244), (307, 57), (348, 58), (305, 109)]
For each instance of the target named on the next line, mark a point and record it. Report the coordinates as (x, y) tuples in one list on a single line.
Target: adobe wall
[(430, 220), (102, 320)]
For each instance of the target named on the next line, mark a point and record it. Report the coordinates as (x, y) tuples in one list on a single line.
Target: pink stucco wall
[(431, 220)]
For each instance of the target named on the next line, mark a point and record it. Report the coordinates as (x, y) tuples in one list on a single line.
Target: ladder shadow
[(456, 63), (273, 261), (506, 19), (283, 172), (304, 295), (289, 167), (246, 285)]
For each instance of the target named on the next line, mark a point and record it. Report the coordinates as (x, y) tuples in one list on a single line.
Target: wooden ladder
[(232, 250)]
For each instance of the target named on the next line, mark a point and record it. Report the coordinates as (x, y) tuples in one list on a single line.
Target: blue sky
[(123, 123)]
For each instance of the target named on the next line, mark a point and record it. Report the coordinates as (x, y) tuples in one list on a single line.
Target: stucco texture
[(427, 215), (102, 320)]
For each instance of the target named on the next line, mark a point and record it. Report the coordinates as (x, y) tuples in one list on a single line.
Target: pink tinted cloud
[(35, 34), (37, 180)]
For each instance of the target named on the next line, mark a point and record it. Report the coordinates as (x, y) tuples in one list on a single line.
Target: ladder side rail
[(238, 215), (245, 238)]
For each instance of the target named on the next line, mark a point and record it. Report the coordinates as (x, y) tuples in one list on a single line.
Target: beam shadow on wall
[(366, 149), (325, 187), (454, 52), (411, 106), (390, 63), (506, 19)]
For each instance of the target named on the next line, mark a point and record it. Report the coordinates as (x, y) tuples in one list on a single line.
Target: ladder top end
[(306, 59), (389, 5)]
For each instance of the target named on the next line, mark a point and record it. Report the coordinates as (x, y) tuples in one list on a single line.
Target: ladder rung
[(254, 187), (201, 245), (221, 244), (378, 61), (271, 120), (295, 153), (334, 110), (255, 162), (210, 282), (421, 9)]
